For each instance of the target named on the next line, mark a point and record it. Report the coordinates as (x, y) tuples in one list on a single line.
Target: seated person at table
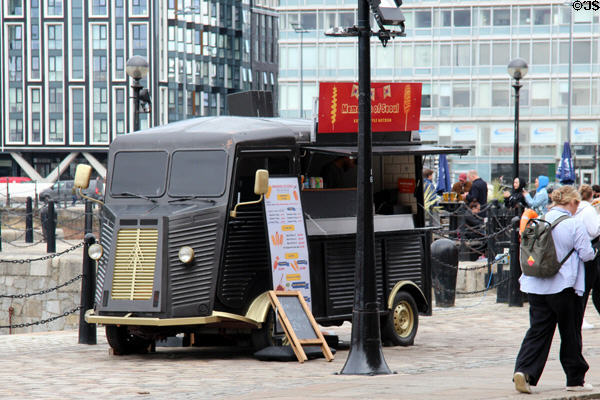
[(473, 227), (339, 172)]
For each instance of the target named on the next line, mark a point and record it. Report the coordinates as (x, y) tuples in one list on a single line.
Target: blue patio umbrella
[(443, 181), (566, 172)]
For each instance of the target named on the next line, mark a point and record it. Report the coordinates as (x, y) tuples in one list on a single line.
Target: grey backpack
[(538, 255)]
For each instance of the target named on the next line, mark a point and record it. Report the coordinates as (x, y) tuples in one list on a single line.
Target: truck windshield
[(139, 172), (198, 173)]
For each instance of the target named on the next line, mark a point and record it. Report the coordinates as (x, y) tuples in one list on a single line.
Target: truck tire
[(400, 326), (266, 336), (123, 342)]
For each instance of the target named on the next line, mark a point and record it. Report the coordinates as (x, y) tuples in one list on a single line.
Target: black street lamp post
[(517, 69), (137, 68)]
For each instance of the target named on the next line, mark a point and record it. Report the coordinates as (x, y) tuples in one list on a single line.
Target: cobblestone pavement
[(464, 352)]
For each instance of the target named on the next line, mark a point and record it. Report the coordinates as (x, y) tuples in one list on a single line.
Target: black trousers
[(591, 278), (545, 312)]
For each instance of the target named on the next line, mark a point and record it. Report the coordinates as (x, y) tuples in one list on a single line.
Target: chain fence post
[(444, 270), (87, 332), (514, 289), (88, 217), (29, 221), (51, 228)]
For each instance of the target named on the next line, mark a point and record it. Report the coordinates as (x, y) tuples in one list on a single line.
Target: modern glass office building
[(460, 50), (64, 91)]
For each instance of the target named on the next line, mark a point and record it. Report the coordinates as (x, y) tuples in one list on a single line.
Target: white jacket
[(587, 214)]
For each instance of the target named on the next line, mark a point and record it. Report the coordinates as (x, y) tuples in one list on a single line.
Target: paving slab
[(464, 352)]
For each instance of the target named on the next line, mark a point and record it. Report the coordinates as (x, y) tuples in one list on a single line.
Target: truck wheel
[(123, 342), (401, 324), (266, 335)]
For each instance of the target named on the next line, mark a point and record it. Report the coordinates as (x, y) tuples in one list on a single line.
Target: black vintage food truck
[(184, 244)]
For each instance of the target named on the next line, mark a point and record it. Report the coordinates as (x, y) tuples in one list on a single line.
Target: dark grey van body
[(174, 186)]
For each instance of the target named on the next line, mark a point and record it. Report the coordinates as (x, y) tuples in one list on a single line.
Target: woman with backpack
[(556, 300), (587, 214)]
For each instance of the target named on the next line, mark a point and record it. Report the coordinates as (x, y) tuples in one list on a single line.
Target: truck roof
[(219, 132)]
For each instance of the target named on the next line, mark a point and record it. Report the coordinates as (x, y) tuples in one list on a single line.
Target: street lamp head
[(517, 68), (137, 67), (298, 28)]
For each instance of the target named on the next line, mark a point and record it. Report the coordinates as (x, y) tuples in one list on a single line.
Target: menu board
[(287, 237)]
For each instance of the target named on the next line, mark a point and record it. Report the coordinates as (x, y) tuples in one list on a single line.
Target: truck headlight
[(186, 254), (95, 251)]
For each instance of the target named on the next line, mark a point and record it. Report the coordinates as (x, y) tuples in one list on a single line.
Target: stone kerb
[(35, 276)]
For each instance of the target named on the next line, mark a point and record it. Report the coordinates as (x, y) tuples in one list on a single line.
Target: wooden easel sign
[(298, 323)]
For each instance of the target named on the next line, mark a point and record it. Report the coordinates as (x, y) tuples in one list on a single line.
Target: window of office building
[(34, 39), (140, 40), (500, 53), (462, 18), (55, 68), (77, 115), (327, 20), (540, 94), (308, 20), (54, 7), (422, 55), (500, 94), (139, 7), (346, 19), (423, 19), (55, 130), (15, 99), (443, 18), (15, 7), (55, 37), (16, 130), (35, 100), (36, 134), (99, 7), (501, 17), (484, 54), (461, 95), (100, 100), (541, 15), (541, 53), (524, 15), (120, 111), (99, 37), (77, 43), (55, 100), (462, 53), (581, 92), (582, 52), (485, 17)]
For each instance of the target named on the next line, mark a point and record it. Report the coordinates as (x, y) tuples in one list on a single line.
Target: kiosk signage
[(395, 107), (287, 237)]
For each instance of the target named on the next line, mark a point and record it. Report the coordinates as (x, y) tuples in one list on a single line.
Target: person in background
[(473, 228), (591, 220), (557, 300), (478, 191), (596, 197), (516, 198), (428, 180), (334, 172), (459, 187), (539, 203)]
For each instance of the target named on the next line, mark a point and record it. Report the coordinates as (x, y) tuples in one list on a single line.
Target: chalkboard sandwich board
[(298, 323)]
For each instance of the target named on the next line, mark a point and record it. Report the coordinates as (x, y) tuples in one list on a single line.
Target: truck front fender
[(259, 308)]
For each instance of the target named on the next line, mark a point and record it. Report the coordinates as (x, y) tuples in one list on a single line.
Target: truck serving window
[(198, 173), (139, 172)]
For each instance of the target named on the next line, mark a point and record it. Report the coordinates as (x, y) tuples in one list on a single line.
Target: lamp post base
[(366, 355)]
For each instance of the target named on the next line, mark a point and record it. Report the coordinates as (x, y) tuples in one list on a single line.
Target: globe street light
[(517, 69), (137, 68)]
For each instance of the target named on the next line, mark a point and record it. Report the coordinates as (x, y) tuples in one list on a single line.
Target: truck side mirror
[(82, 176), (261, 187), (82, 181), (261, 182)]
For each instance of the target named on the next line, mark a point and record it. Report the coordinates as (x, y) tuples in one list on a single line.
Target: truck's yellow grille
[(135, 259)]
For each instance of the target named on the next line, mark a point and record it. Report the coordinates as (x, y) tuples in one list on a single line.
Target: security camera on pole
[(137, 68)]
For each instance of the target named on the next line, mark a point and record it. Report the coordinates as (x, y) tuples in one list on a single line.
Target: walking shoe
[(521, 384), (587, 325), (586, 387)]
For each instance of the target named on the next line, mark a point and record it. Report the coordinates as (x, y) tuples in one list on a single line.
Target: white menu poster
[(287, 237)]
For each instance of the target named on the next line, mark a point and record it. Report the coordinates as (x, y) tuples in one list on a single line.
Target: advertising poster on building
[(543, 133), (287, 237), (502, 134), (584, 132), (464, 133), (428, 133)]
